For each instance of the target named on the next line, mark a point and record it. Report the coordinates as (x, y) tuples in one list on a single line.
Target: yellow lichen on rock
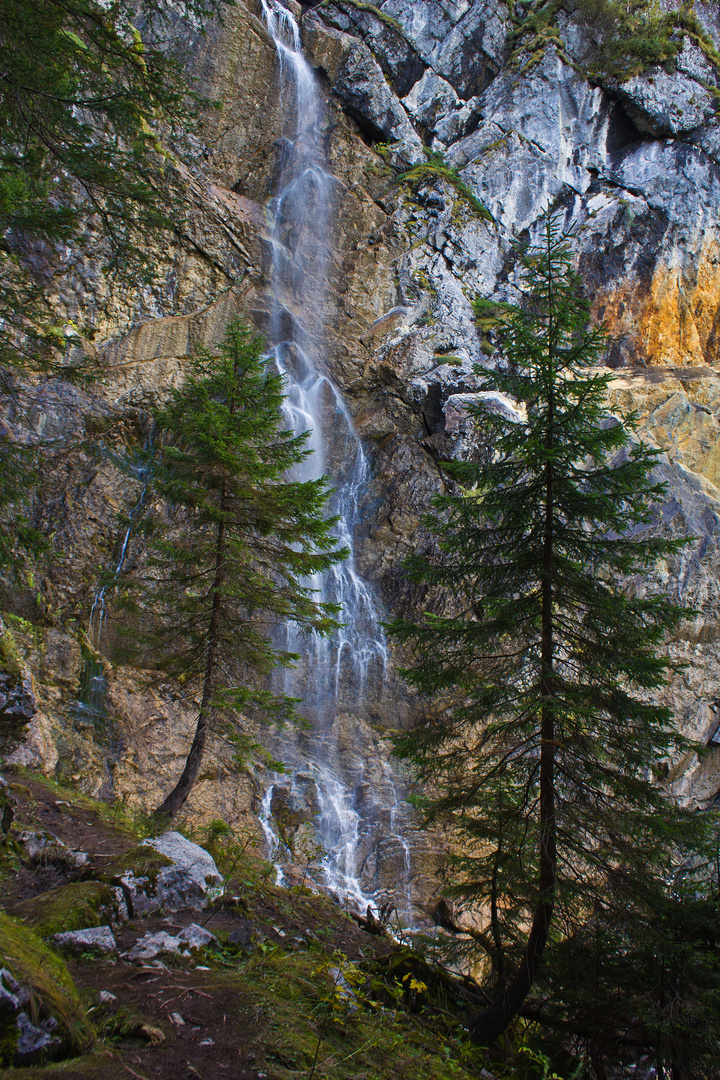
[(675, 318)]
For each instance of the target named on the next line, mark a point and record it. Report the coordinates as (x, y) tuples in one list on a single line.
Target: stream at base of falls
[(336, 815)]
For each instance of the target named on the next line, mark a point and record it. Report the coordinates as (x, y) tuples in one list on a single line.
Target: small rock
[(206, 1042), (153, 1035), (196, 937), (106, 998), (242, 935), (35, 1042), (12, 995), (177, 1019), (93, 939), (152, 945)]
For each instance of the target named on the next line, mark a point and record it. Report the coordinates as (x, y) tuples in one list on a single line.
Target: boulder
[(97, 939), (167, 871)]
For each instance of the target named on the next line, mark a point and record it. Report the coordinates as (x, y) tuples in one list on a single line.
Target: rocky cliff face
[(634, 164)]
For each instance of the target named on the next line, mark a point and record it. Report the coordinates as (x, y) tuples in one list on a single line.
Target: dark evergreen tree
[(241, 545), (542, 650)]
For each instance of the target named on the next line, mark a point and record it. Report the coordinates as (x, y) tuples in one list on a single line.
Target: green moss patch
[(631, 38), (52, 991), (435, 169), (70, 907), (142, 860)]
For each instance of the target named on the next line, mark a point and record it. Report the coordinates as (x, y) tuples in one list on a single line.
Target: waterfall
[(336, 674), (90, 703)]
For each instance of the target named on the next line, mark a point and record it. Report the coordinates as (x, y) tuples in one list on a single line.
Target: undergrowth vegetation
[(629, 37), (436, 168)]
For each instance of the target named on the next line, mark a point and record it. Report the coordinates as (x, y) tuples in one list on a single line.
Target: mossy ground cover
[(74, 906)]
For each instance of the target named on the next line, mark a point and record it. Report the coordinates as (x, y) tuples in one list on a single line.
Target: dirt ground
[(183, 1019)]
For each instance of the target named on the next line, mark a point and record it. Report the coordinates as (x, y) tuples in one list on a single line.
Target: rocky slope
[(633, 164)]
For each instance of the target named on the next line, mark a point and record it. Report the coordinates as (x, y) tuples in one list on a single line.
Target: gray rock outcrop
[(190, 880)]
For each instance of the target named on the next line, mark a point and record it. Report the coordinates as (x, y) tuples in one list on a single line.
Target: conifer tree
[(542, 649), (242, 543)]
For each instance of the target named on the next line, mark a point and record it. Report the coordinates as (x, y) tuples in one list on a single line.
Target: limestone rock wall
[(634, 165)]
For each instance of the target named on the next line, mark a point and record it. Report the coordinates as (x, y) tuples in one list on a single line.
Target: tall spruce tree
[(241, 544), (541, 656)]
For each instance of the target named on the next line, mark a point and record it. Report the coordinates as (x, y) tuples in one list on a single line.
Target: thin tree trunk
[(488, 1025), (184, 786)]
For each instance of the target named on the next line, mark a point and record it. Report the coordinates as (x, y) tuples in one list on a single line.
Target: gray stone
[(35, 1041), (663, 104), (98, 939), (435, 107), (462, 41), (195, 937), (105, 997), (357, 79), (398, 59), (192, 881), (151, 946), (12, 995), (17, 701)]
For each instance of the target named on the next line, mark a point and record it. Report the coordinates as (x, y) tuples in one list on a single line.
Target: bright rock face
[(634, 164)]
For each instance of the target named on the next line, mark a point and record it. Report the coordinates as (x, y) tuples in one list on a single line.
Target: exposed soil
[(182, 1019)]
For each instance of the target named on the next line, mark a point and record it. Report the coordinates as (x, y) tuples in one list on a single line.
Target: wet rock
[(98, 939)]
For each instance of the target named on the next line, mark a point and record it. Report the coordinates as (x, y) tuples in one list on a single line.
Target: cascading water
[(340, 673), (90, 706)]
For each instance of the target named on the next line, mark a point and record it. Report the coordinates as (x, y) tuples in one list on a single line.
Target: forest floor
[(312, 994)]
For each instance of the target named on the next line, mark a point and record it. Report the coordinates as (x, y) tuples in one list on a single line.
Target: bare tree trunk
[(184, 786)]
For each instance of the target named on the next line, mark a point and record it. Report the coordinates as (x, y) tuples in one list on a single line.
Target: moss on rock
[(142, 860), (71, 907), (52, 991)]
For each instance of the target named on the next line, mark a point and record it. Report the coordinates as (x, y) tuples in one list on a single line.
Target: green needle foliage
[(242, 541), (543, 653)]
